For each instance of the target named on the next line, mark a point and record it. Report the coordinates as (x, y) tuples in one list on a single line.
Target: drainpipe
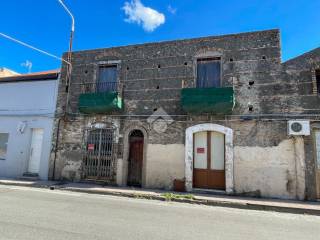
[(56, 150)]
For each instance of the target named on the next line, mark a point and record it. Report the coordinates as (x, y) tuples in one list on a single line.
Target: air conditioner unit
[(299, 127)]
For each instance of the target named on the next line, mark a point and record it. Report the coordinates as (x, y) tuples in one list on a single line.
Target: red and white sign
[(200, 150), (90, 147)]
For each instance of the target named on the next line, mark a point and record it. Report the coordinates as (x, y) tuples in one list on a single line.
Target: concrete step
[(29, 177)]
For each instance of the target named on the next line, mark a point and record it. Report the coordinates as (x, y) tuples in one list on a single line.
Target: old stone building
[(205, 113)]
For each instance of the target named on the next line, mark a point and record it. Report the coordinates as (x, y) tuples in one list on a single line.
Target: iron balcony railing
[(99, 87)]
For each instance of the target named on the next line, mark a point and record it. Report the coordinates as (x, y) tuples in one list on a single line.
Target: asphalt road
[(43, 214)]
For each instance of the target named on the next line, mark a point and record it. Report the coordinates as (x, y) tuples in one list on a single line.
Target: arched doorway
[(213, 144), (135, 159), (209, 160)]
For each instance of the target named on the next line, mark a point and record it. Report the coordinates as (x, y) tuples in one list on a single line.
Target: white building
[(27, 107), (5, 72)]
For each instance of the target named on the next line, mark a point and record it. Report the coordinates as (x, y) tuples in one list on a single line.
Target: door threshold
[(29, 176), (209, 191)]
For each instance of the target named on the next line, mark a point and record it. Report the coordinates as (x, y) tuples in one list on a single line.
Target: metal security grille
[(99, 87), (100, 154)]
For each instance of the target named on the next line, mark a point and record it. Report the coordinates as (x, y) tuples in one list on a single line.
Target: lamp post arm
[(69, 12), (69, 67)]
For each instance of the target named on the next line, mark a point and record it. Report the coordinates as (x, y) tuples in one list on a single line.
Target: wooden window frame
[(111, 63), (208, 58)]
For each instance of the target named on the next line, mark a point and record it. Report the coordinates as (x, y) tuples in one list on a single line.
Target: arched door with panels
[(209, 160)]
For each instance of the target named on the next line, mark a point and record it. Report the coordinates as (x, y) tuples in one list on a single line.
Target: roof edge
[(274, 30), (51, 75), (305, 54)]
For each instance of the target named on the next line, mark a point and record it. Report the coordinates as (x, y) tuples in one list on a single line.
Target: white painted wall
[(164, 164), (32, 98), (276, 171), (32, 103)]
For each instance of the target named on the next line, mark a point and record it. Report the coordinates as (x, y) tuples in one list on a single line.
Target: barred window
[(107, 78)]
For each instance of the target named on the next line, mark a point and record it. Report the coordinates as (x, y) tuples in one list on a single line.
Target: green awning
[(105, 102), (208, 100)]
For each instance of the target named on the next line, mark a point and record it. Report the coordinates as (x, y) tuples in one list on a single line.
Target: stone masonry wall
[(300, 72), (151, 77)]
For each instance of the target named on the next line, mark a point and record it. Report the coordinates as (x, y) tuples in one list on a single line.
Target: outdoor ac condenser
[(299, 127)]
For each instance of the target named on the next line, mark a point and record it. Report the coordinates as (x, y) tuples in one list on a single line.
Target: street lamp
[(68, 80), (69, 57)]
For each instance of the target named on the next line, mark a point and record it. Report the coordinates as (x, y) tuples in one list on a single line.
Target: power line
[(32, 47)]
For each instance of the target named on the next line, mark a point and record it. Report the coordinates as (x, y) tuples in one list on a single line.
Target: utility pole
[(67, 85), (69, 55)]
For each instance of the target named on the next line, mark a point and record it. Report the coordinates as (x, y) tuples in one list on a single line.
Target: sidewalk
[(289, 206)]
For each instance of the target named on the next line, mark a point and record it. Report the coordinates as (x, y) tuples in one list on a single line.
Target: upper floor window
[(209, 72), (3, 145), (318, 80), (107, 78)]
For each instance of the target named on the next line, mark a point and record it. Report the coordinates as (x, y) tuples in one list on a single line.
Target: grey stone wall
[(151, 77), (300, 73)]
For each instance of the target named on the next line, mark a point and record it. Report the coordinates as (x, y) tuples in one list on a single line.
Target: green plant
[(137, 195), (172, 196)]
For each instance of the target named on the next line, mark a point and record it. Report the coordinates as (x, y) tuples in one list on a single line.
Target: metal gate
[(100, 154)]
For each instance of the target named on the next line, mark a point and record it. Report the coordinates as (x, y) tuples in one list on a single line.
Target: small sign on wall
[(200, 150), (90, 147)]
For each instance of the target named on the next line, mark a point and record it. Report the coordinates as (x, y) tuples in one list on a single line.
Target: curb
[(196, 201), (20, 184), (248, 206)]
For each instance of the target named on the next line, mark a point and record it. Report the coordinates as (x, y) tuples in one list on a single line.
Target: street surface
[(27, 213)]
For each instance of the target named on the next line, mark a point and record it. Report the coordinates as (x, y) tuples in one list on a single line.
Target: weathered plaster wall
[(300, 72), (164, 164), (69, 152), (269, 171), (66, 157)]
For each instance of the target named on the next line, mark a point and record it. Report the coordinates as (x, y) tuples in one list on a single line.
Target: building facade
[(4, 72), (205, 113), (27, 107)]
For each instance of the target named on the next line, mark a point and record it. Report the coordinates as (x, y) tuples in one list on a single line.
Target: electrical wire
[(33, 48)]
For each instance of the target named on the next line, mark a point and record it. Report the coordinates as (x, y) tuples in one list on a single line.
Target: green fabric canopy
[(100, 102), (208, 100)]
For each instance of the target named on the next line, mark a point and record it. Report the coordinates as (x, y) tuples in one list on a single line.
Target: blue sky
[(105, 23)]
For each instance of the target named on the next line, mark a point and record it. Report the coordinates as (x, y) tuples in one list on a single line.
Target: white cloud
[(171, 9), (27, 64), (149, 18)]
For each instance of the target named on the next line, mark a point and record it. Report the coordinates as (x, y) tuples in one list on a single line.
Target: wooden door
[(209, 160), (317, 145), (35, 151), (135, 162)]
